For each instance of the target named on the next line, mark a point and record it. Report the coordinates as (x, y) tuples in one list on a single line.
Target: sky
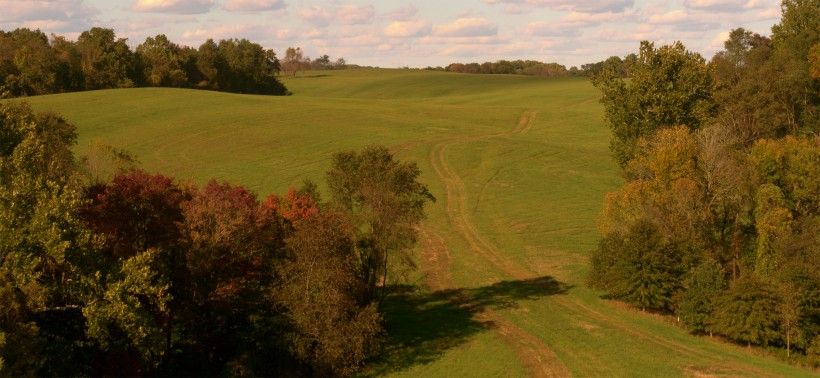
[(420, 33)]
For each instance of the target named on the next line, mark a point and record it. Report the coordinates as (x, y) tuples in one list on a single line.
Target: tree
[(42, 244), (208, 62), (131, 309), (293, 61), (748, 312), (232, 244), (773, 224), (385, 201), (161, 62), (334, 327), (669, 86), (814, 61), (793, 39), (69, 72), (321, 63), (135, 212), (697, 301), (245, 67), (106, 62), (751, 109), (639, 267), (28, 65)]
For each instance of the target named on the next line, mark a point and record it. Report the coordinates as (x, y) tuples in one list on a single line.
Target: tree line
[(32, 64), (510, 67), (535, 68), (718, 220), (106, 269), (295, 61)]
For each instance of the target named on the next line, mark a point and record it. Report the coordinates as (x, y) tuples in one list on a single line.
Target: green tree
[(639, 267), (748, 312), (28, 65), (773, 224), (386, 202), (162, 62), (793, 39), (130, 308), (333, 327), (668, 86), (107, 62), (43, 245), (697, 302)]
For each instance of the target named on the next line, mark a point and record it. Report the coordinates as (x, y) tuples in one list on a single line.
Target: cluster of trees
[(108, 270), (512, 67), (33, 64), (614, 64), (295, 61), (719, 218)]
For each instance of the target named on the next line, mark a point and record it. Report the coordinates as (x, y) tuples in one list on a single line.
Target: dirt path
[(538, 359)]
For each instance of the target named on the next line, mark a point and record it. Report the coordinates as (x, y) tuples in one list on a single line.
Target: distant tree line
[(32, 64), (718, 221), (109, 270), (295, 61), (510, 67), (535, 68)]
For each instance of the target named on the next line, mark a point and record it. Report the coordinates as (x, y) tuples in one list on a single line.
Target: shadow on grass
[(308, 76), (422, 326)]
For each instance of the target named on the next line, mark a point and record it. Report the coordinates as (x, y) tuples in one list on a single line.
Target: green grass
[(530, 198)]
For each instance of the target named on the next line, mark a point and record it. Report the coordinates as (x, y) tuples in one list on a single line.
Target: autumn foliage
[(145, 275), (717, 220)]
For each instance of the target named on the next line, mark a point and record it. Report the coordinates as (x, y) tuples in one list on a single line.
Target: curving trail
[(536, 357), (534, 354)]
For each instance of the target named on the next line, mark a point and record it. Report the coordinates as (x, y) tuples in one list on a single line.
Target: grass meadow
[(519, 166)]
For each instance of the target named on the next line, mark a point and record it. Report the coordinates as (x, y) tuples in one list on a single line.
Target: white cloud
[(355, 14), (48, 15), (253, 5), (550, 29), (173, 6), (671, 17), (466, 27), (318, 16), (588, 6), (405, 29), (722, 5), (405, 13)]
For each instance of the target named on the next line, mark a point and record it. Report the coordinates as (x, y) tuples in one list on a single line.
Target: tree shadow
[(422, 326), (308, 76)]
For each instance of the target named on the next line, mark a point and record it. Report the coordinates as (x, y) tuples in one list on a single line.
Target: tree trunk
[(788, 344)]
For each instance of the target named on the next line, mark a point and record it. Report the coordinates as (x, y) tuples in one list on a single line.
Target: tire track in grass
[(536, 357), (528, 347)]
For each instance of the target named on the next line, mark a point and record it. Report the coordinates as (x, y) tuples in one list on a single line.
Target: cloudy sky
[(417, 33)]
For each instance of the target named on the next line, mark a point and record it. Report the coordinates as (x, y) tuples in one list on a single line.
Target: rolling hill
[(519, 166)]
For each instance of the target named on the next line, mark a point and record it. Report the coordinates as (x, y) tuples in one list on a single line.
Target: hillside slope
[(519, 166)]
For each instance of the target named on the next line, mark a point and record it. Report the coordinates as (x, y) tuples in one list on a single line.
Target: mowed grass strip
[(530, 193)]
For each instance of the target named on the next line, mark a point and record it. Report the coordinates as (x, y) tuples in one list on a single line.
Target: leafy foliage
[(737, 195), (335, 326), (668, 86), (30, 64), (698, 300), (141, 275), (645, 270), (385, 202), (747, 312)]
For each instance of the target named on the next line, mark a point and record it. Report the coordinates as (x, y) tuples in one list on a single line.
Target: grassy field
[(519, 166)]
